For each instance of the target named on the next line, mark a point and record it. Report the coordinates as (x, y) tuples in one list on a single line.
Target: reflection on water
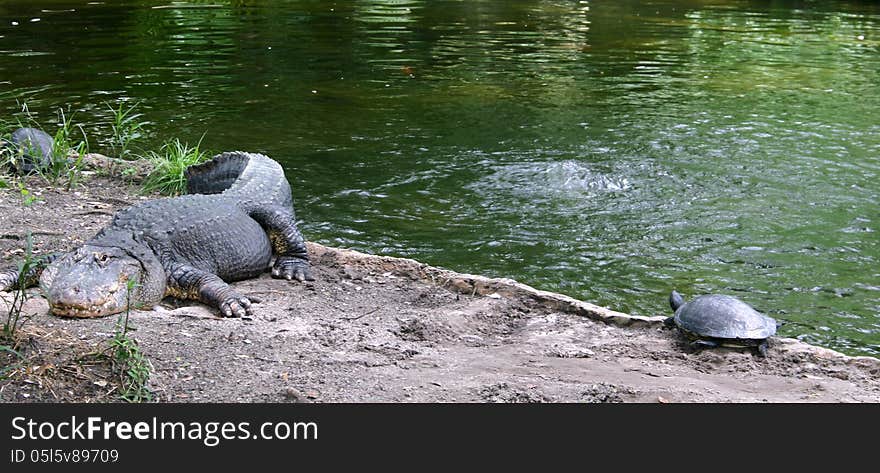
[(608, 150)]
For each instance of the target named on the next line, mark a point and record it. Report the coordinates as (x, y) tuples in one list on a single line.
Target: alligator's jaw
[(92, 282), (85, 312), (82, 297)]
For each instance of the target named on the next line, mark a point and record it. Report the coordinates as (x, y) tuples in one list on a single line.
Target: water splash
[(555, 179)]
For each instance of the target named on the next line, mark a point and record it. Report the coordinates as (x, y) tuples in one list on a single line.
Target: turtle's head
[(675, 300), (94, 281)]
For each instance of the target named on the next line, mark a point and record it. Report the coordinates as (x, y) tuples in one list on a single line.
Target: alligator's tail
[(253, 179), (216, 175)]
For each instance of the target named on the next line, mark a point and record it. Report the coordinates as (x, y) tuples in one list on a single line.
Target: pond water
[(609, 150)]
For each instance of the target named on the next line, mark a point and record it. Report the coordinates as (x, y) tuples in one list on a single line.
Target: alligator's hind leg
[(186, 282), (292, 260)]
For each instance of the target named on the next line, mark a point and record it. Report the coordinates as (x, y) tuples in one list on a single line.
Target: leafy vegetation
[(27, 197), (129, 364), (14, 318), (127, 128), (67, 152), (7, 154), (169, 165)]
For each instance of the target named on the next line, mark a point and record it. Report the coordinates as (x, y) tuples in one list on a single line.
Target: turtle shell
[(723, 317)]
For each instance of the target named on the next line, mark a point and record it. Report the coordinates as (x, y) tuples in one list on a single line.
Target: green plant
[(169, 165), (24, 118), (6, 129), (126, 129), (129, 363), (8, 158), (129, 173), (63, 147), (74, 170), (27, 197), (14, 319), (10, 155)]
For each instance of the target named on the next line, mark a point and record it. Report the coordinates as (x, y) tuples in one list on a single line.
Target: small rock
[(294, 395), (349, 272), (839, 374), (462, 285)]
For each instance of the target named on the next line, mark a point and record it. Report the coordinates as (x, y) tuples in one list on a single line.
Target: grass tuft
[(67, 152), (129, 363), (126, 128), (169, 165), (14, 319)]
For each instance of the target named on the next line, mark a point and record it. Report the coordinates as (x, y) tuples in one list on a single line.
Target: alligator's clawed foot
[(236, 306), (287, 267)]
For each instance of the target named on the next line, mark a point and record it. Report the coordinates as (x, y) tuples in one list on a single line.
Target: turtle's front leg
[(762, 349), (186, 282), (292, 260)]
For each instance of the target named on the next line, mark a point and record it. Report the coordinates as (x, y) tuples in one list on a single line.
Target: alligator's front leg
[(186, 282), (292, 260), (12, 278)]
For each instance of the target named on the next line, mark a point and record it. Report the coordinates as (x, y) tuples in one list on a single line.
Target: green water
[(610, 150)]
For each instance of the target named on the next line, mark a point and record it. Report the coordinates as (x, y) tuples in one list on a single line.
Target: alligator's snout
[(89, 283), (79, 300)]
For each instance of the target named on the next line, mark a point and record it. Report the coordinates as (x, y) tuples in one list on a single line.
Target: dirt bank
[(374, 328)]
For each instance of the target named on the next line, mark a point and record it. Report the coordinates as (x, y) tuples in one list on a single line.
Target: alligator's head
[(95, 281)]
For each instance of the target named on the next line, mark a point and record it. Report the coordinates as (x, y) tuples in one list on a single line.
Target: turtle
[(714, 320), (33, 149)]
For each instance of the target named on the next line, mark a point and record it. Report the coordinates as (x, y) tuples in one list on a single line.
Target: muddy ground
[(381, 329)]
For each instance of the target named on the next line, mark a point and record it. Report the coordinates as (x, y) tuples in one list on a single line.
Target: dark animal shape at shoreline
[(715, 320), (32, 149), (187, 247)]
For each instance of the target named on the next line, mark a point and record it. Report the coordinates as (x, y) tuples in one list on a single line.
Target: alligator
[(31, 149), (237, 216)]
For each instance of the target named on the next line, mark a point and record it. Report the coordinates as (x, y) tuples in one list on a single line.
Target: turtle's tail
[(675, 300)]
